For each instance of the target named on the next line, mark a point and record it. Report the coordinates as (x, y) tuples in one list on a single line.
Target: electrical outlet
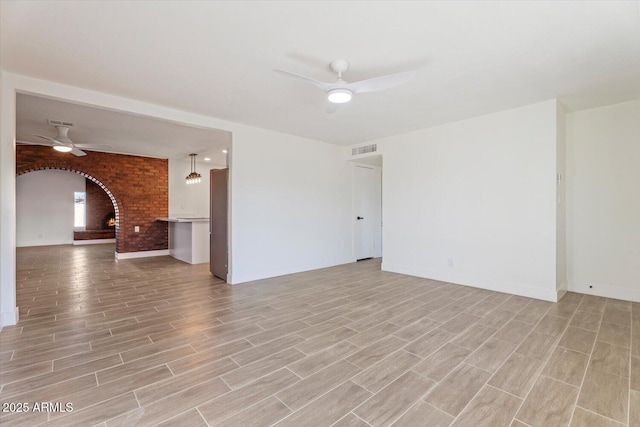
[(450, 262), (136, 229)]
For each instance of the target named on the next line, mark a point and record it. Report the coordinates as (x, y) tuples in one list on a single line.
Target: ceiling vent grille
[(59, 123), (364, 149)]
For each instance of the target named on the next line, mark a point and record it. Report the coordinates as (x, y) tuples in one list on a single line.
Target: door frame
[(377, 236)]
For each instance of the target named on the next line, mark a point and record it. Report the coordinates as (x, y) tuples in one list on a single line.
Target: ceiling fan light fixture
[(339, 96), (62, 148), (194, 177)]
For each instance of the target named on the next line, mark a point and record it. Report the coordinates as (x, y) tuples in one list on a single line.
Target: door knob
[(360, 217)]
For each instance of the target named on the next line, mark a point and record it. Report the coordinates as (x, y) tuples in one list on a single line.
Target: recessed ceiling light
[(206, 159), (224, 151)]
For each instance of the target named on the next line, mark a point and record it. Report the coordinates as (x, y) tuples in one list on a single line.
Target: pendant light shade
[(194, 177)]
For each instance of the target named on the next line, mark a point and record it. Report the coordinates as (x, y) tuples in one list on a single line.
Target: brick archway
[(112, 197), (137, 186)]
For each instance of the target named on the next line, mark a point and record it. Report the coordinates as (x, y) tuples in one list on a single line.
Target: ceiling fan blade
[(321, 85), (46, 144), (46, 137), (77, 152), (381, 83), (90, 146), (55, 141)]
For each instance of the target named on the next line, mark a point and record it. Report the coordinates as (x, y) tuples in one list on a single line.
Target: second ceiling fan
[(62, 142)]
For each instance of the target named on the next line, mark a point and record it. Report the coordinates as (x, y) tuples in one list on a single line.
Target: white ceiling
[(216, 58), (126, 133)]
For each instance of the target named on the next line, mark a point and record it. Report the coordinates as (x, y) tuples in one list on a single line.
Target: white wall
[(603, 208), (45, 207), (561, 201), (188, 200), (291, 205), (474, 202), (8, 309)]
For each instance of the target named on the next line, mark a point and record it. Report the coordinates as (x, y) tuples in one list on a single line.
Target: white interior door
[(366, 211)]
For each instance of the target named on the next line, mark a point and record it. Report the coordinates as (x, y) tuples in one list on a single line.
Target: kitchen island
[(188, 239)]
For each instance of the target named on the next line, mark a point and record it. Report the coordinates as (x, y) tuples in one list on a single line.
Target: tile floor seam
[(202, 416), (86, 408), (245, 408), (418, 400), (511, 354), (600, 415), (423, 397), (136, 397), (564, 382), (455, 417), (577, 351), (584, 376), (286, 406), (502, 391), (320, 395), (360, 418)]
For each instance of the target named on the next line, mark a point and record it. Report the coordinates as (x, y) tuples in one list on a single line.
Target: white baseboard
[(607, 291), (235, 279), (562, 290), (93, 241), (141, 254), (9, 318), (545, 294), (28, 244)]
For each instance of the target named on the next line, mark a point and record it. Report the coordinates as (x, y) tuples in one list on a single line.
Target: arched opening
[(111, 219)]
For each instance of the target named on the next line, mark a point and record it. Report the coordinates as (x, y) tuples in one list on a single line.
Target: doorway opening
[(367, 207)]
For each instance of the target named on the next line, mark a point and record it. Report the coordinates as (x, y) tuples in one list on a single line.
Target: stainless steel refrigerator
[(218, 251)]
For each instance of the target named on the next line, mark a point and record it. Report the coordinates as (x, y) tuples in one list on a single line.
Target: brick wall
[(98, 205), (138, 186), (94, 234)]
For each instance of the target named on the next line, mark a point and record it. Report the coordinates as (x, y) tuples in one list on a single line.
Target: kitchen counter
[(184, 219), (188, 238)]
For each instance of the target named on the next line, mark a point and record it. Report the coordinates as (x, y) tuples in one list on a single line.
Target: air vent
[(364, 150), (59, 123)]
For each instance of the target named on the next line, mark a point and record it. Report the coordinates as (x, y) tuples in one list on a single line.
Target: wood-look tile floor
[(158, 342)]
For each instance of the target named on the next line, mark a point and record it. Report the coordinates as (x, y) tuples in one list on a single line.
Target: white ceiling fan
[(341, 91), (62, 142)]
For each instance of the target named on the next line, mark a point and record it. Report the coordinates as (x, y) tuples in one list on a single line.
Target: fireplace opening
[(109, 221)]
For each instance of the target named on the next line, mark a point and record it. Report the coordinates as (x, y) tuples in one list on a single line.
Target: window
[(80, 209)]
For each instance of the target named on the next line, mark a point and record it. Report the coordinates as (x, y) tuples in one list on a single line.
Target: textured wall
[(137, 186)]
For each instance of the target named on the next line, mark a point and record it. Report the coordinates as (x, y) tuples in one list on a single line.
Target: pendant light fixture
[(193, 177)]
